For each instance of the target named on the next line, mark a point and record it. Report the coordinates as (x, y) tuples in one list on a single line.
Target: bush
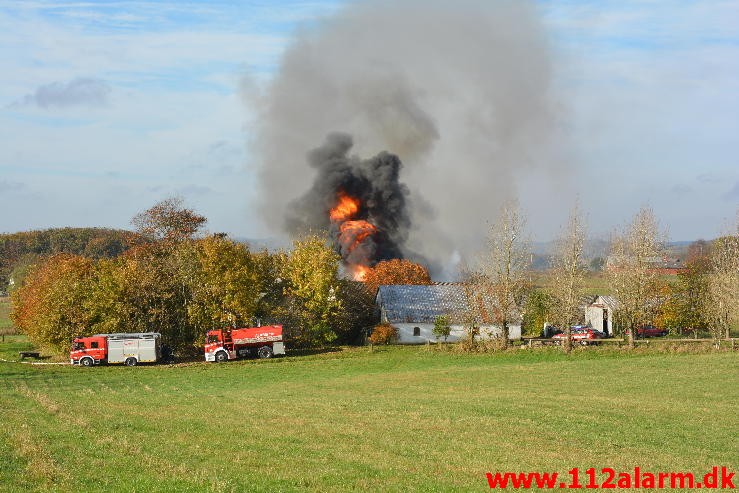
[(536, 312), (383, 334), (442, 327)]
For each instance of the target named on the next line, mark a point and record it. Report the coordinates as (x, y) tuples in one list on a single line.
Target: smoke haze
[(459, 91)]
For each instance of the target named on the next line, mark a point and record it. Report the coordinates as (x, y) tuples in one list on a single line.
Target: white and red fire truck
[(129, 349), (225, 344)]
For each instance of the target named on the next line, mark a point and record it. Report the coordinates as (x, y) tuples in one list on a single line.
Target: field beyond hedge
[(394, 419), (5, 322)]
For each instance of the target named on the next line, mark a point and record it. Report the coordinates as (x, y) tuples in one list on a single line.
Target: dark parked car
[(550, 331)]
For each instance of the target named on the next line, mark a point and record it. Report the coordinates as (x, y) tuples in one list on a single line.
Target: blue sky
[(109, 106)]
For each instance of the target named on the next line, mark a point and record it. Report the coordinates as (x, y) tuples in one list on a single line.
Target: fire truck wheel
[(221, 357), (131, 362), (265, 352), (86, 362)]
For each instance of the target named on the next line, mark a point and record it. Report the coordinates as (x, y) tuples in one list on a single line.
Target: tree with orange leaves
[(51, 306), (396, 271)]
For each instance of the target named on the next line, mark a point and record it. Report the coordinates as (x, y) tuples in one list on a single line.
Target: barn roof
[(421, 304)]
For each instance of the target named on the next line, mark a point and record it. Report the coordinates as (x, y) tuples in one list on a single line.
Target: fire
[(345, 209), (359, 272), (352, 232)]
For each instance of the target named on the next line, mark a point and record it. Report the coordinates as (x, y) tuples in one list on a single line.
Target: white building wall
[(594, 316), (426, 333)]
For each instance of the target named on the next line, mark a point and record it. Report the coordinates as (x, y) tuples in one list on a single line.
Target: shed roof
[(607, 300), (421, 304)]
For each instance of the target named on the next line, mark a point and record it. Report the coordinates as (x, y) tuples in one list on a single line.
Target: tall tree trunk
[(568, 339)]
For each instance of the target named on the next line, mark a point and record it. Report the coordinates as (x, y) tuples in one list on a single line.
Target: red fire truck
[(129, 349), (225, 344)]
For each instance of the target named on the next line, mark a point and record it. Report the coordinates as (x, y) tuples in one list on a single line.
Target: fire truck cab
[(129, 349), (226, 344)]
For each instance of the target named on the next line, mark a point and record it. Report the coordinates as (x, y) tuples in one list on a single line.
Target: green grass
[(395, 419), (5, 322), (593, 283)]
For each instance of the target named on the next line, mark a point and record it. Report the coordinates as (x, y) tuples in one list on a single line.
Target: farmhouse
[(599, 313), (413, 310)]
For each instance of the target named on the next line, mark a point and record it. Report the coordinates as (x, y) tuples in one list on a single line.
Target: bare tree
[(567, 274), (631, 270), (503, 268), (723, 284)]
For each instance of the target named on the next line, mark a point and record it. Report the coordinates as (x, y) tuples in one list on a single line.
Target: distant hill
[(271, 244), (598, 248), (26, 246)]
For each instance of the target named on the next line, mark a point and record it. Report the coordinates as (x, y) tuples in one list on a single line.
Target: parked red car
[(582, 334), (649, 331)]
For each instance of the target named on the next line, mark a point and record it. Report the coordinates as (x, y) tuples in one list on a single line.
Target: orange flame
[(359, 272), (352, 233), (345, 209)]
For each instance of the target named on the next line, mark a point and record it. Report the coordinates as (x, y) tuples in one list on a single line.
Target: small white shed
[(599, 313)]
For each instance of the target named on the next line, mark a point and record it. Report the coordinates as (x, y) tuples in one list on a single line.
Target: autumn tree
[(312, 284), (168, 220), (225, 284), (357, 312), (499, 289), (668, 311), (50, 307), (106, 246), (476, 311), (156, 292), (567, 273), (396, 271), (269, 268), (685, 302), (632, 273), (723, 284)]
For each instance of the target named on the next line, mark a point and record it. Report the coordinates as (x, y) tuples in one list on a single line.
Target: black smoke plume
[(373, 182)]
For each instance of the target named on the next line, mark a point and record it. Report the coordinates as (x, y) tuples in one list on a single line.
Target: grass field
[(395, 419), (593, 283), (5, 322)]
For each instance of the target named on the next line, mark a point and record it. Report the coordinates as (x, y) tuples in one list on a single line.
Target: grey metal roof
[(610, 301), (421, 304)]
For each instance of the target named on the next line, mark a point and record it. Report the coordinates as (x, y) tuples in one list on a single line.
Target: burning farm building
[(360, 202)]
